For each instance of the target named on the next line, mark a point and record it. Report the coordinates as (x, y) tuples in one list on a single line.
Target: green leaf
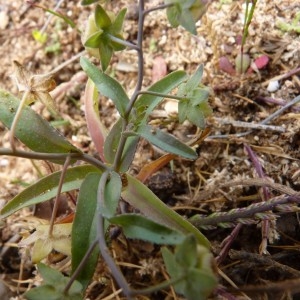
[(195, 79), (174, 269), (183, 107), (187, 21), (49, 275), (111, 145), (106, 53), (48, 291), (163, 86), (84, 230), (102, 19), (138, 227), (88, 2), (112, 195), (165, 141), (106, 85), (35, 132), (199, 284), (183, 13), (173, 14), (191, 265), (61, 16), (143, 199), (189, 245), (94, 40), (128, 153), (205, 108), (195, 116), (46, 188), (118, 23), (112, 141), (199, 95), (53, 286)]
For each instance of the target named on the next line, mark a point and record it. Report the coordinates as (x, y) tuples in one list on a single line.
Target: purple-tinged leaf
[(226, 66), (96, 128)]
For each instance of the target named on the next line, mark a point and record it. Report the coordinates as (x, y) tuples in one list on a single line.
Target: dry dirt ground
[(237, 101)]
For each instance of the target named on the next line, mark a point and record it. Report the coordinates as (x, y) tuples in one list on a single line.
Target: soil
[(262, 262)]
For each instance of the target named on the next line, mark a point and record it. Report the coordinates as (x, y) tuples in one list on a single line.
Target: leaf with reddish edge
[(226, 66), (149, 169), (96, 128)]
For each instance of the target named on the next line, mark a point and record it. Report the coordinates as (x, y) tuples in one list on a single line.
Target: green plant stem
[(51, 15), (161, 95), (247, 22), (118, 276), (80, 266), (16, 119), (138, 87), (57, 198), (163, 6), (123, 42), (140, 54), (55, 156)]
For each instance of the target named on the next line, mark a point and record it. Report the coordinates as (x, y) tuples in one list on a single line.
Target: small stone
[(273, 86)]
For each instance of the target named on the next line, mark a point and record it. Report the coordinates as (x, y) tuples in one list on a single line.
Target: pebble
[(273, 86)]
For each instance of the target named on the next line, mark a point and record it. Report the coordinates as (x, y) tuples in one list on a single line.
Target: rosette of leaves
[(194, 105), (53, 286), (191, 269), (103, 34), (185, 13)]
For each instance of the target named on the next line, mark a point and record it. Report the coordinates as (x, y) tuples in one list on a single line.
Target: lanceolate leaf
[(106, 53), (112, 195), (102, 20), (96, 128), (138, 227), (106, 85), (111, 145), (195, 79), (143, 199), (53, 286), (166, 142), (35, 132), (94, 40), (118, 23), (195, 116), (191, 265), (163, 86), (88, 2), (84, 229), (46, 188), (186, 20)]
